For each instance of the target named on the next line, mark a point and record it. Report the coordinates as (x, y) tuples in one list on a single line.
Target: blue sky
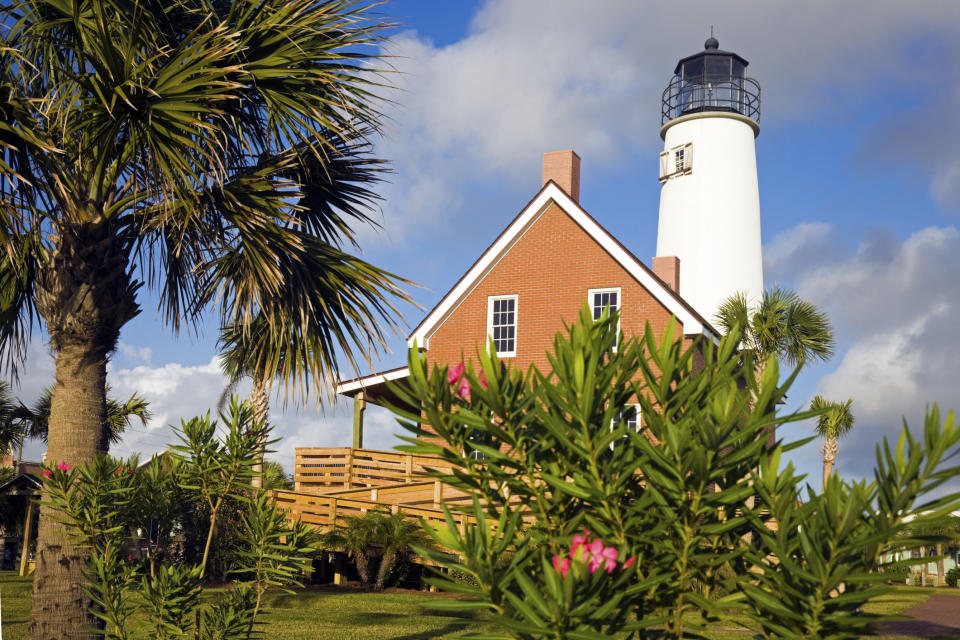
[(858, 159)]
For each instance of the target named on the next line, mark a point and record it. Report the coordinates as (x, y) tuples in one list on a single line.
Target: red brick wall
[(550, 268)]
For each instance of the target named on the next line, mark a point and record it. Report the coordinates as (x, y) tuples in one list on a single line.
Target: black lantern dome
[(711, 80)]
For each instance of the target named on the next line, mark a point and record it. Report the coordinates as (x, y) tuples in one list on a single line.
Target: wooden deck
[(331, 483)]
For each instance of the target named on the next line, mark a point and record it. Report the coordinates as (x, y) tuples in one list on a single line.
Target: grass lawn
[(340, 614)]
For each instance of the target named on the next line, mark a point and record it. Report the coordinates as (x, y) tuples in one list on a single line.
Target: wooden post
[(437, 493), (348, 472), (333, 512), (359, 404), (338, 570), (408, 467), (27, 532)]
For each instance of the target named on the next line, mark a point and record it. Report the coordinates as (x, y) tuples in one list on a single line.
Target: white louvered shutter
[(664, 165), (688, 157)]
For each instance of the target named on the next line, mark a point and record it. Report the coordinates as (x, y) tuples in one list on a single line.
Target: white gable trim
[(421, 335), (372, 379)]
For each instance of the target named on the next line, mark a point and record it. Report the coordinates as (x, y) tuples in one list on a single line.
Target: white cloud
[(895, 304), (134, 353), (178, 392), (544, 75)]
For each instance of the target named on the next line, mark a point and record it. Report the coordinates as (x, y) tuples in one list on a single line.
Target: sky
[(859, 169)]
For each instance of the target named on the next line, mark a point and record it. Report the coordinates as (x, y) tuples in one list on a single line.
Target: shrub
[(953, 577), (105, 502), (612, 530)]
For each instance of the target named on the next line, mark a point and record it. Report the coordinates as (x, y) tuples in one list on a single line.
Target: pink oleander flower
[(455, 374), (47, 473), (578, 541), (483, 381), (561, 565), (464, 390), (119, 469), (592, 553), (64, 466)]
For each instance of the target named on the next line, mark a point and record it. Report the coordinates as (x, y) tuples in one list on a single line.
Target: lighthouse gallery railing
[(684, 96)]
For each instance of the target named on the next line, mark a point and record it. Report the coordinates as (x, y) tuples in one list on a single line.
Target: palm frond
[(835, 419), (782, 325)]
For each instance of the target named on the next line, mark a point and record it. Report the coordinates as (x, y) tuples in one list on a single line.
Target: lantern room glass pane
[(693, 69), (718, 67)]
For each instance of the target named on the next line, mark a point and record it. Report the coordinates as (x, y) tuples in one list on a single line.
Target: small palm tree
[(357, 537), (274, 477), (782, 325), (834, 422), (397, 536)]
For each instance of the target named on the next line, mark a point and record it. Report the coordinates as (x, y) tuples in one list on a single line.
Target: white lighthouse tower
[(709, 201)]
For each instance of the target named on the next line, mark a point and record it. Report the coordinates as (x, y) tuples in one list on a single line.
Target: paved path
[(938, 616)]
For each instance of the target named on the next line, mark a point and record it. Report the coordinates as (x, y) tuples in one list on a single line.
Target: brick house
[(549, 261)]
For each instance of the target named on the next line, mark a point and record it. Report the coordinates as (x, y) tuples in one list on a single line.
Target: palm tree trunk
[(261, 409), (771, 430), (386, 563), (84, 294), (830, 448), (59, 604), (924, 568), (362, 561), (941, 578)]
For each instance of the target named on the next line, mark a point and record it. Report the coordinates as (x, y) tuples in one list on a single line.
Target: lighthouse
[(709, 198)]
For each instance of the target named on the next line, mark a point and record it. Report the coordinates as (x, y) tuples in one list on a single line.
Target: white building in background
[(710, 201)]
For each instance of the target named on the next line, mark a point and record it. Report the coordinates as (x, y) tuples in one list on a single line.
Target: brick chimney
[(563, 167), (667, 268)]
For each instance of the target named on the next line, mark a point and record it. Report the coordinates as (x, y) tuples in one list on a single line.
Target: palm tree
[(10, 427), (238, 358), (782, 325), (397, 536), (834, 422), (208, 150), (356, 537), (274, 477)]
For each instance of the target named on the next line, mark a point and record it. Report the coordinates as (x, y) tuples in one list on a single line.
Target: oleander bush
[(586, 527)]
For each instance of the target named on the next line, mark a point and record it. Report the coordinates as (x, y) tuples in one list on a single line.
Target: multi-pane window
[(677, 161), (502, 324), (630, 416), (601, 299)]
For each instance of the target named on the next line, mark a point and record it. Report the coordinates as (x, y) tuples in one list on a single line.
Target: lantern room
[(711, 80)]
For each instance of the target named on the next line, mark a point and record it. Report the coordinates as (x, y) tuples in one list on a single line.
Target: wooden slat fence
[(322, 511), (424, 493), (322, 470)]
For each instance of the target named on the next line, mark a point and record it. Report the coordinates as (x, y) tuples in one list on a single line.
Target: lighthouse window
[(678, 161), (502, 324)]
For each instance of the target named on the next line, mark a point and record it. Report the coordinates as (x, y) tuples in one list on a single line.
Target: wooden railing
[(424, 493), (322, 511), (322, 470)]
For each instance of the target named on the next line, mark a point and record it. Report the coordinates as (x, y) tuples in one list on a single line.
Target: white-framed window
[(600, 299), (630, 414), (676, 161), (502, 324)]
